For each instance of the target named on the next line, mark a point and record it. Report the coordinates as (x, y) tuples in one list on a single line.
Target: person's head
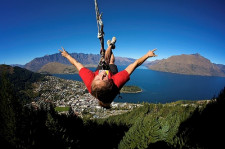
[(103, 89)]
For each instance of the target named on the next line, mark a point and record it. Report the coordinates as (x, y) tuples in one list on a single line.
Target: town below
[(72, 97)]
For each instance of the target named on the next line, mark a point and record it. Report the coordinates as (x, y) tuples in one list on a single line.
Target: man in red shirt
[(106, 84)]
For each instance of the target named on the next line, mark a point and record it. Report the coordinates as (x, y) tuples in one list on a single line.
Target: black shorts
[(112, 67)]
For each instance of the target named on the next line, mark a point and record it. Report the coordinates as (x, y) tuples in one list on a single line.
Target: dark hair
[(105, 94), (105, 105)]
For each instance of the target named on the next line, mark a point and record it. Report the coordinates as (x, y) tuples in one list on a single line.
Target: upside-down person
[(106, 84)]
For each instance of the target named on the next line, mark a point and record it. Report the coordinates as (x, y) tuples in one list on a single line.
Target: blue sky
[(34, 28)]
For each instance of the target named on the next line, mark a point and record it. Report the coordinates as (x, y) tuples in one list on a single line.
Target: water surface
[(162, 87)]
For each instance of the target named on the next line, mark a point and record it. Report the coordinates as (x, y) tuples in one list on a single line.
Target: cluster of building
[(73, 94)]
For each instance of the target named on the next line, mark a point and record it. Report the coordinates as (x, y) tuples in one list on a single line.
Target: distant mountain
[(57, 68), (222, 67), (18, 65), (147, 64), (193, 64), (86, 59), (123, 61), (37, 63)]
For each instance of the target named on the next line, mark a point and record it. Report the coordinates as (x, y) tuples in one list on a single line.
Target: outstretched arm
[(139, 61), (71, 59)]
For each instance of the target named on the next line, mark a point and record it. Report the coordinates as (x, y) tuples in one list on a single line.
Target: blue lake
[(162, 87)]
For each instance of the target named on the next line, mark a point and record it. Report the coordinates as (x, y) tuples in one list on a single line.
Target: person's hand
[(63, 52), (151, 53)]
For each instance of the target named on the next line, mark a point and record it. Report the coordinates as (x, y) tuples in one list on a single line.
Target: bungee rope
[(100, 36)]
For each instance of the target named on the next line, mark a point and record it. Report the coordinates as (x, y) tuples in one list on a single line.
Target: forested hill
[(20, 79)]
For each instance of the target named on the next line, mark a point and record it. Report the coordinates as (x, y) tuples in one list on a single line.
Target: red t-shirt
[(119, 79)]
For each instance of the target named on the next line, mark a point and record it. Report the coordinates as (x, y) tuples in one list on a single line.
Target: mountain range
[(193, 64), (86, 59)]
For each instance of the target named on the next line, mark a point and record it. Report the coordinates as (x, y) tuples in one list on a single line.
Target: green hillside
[(154, 124)]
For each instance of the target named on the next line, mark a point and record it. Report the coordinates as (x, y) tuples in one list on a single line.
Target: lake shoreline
[(161, 87)]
